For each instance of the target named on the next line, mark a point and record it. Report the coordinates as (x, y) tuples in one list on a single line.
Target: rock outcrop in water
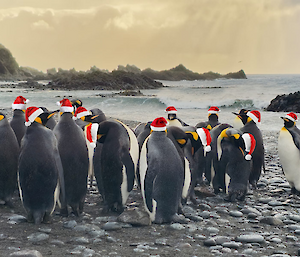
[(285, 103), (180, 72), (124, 78)]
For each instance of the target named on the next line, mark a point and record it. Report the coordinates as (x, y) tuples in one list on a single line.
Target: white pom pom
[(248, 157), (27, 123), (207, 148), (74, 118), (93, 145), (27, 101), (58, 103)]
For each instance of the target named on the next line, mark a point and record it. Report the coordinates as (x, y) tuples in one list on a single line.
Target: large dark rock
[(8, 64), (182, 73), (285, 103)]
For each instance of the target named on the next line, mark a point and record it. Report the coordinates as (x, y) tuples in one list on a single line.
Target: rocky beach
[(267, 223)]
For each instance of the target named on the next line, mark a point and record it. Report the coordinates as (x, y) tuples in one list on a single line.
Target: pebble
[(37, 237), (70, 224), (177, 226), (26, 253), (112, 226), (236, 214), (250, 238), (271, 221)]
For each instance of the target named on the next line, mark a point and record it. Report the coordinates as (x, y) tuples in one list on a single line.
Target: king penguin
[(234, 152), (18, 120), (74, 156), (213, 119), (289, 151), (115, 165), (40, 173), (161, 174), (172, 119), (9, 154), (253, 118)]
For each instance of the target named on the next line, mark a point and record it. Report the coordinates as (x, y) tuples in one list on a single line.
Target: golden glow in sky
[(259, 36)]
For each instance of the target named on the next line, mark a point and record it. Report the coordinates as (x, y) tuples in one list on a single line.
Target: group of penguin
[(51, 161)]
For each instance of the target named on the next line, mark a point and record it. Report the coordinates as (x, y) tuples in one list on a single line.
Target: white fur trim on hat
[(81, 114), (18, 106), (158, 128), (66, 109), (172, 112)]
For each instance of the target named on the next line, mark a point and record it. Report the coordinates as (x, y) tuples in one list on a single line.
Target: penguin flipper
[(62, 197), (148, 187), (296, 137), (128, 162)]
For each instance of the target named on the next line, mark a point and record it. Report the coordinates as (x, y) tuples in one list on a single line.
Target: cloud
[(203, 35)]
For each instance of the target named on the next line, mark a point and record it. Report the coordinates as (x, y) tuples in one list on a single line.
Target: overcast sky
[(259, 36)]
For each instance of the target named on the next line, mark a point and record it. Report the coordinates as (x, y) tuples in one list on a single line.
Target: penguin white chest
[(289, 156)]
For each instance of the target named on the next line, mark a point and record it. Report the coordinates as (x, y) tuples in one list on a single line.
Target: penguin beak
[(235, 113)]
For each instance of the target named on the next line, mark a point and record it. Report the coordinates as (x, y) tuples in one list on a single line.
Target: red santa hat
[(205, 138), (65, 105), (159, 124), (171, 110), (255, 116), (91, 131), (80, 112), (291, 116), (213, 109), (20, 103), (31, 114), (250, 144)]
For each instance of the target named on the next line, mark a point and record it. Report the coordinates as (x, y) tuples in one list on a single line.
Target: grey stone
[(177, 226), (205, 214), (232, 244), (250, 238), (236, 214), (294, 217), (16, 219), (161, 241), (80, 240), (112, 226), (37, 237), (210, 242), (135, 216), (70, 224), (212, 230), (26, 253), (271, 221)]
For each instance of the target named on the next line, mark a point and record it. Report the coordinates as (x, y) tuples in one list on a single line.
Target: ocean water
[(190, 98)]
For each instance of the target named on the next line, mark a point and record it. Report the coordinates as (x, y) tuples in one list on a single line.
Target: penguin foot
[(235, 196), (64, 212), (179, 219), (47, 218)]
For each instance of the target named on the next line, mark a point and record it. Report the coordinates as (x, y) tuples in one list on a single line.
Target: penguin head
[(159, 124), (242, 115), (213, 112), (38, 115), (76, 103), (290, 120), (254, 116), (82, 113), (172, 112)]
